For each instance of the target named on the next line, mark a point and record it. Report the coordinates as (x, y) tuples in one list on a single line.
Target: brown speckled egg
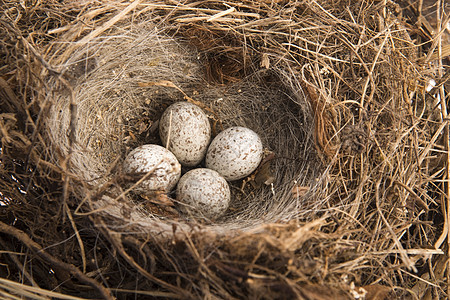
[(190, 132), (165, 168), (235, 153), (203, 193)]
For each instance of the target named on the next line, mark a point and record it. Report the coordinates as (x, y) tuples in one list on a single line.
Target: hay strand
[(21, 236)]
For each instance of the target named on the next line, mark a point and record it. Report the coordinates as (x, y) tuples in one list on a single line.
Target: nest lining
[(128, 78)]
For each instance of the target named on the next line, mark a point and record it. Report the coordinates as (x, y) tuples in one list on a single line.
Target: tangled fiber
[(351, 201), (135, 74)]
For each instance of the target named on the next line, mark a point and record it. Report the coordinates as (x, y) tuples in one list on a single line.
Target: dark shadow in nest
[(224, 59)]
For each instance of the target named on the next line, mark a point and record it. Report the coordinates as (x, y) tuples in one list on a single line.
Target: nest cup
[(119, 85), (84, 83)]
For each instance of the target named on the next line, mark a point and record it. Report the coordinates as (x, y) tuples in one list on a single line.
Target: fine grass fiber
[(126, 80), (350, 202)]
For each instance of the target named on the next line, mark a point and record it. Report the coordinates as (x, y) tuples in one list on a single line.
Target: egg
[(163, 165), (203, 193), (186, 129), (235, 153)]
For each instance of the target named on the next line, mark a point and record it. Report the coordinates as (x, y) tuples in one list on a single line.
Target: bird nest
[(346, 203), (120, 82)]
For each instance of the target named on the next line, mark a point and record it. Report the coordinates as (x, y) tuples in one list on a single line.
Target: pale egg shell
[(235, 153), (165, 168), (190, 132), (203, 193)]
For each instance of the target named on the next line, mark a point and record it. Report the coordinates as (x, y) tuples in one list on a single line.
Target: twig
[(27, 241), (40, 58), (109, 23), (370, 74), (403, 254), (142, 179), (77, 234), (416, 197), (33, 292), (221, 14), (19, 265), (114, 239)]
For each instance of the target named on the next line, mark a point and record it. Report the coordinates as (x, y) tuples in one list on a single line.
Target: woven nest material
[(127, 79), (350, 202)]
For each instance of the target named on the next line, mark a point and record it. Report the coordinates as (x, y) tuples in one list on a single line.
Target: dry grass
[(337, 92)]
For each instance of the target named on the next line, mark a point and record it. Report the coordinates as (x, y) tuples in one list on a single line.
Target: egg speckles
[(235, 153), (188, 131), (165, 168), (203, 193)]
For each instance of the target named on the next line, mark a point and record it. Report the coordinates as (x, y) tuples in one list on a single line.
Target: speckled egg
[(203, 193), (186, 127), (235, 153), (165, 168)]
